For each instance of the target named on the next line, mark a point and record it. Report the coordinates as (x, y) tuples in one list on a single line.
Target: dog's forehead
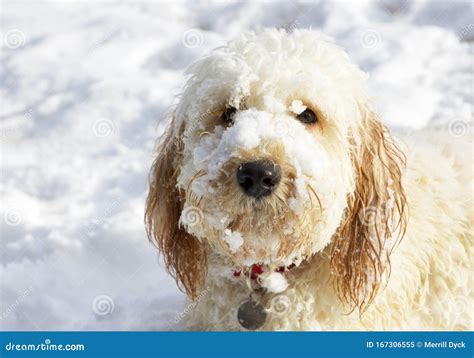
[(303, 65), (274, 53), (276, 56)]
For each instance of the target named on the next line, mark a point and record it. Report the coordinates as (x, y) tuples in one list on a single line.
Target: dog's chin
[(264, 233)]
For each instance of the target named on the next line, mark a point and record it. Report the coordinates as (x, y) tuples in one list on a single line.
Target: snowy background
[(83, 90)]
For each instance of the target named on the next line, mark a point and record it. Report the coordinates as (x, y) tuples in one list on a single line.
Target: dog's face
[(264, 160), (267, 162)]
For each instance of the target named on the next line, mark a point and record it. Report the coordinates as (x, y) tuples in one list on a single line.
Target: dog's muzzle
[(259, 178)]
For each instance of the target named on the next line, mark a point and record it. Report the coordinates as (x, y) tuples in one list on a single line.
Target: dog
[(280, 201)]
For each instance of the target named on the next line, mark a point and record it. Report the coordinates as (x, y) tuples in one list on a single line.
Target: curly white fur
[(270, 78)]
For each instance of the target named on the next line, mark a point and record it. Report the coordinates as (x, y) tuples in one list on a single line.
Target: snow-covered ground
[(84, 88)]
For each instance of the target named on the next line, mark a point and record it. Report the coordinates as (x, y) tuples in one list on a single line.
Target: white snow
[(84, 88), (272, 105), (297, 107), (234, 239), (275, 282), (249, 130)]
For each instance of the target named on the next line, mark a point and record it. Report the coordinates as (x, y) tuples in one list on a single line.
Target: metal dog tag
[(251, 315)]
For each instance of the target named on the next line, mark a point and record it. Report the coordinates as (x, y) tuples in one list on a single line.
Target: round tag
[(251, 315)]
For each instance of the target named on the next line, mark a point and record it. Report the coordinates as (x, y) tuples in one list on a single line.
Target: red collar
[(257, 269)]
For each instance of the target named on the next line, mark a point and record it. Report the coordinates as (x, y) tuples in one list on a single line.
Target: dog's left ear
[(184, 255), (376, 215)]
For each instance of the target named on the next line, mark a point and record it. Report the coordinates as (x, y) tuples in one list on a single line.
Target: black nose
[(258, 178)]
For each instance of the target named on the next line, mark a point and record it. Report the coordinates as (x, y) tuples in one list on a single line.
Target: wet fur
[(358, 281)]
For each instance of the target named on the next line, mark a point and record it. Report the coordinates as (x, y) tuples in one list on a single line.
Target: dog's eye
[(307, 116), (228, 115)]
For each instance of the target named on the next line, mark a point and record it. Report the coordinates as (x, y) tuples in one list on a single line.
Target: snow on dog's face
[(264, 154), (260, 185), (266, 169)]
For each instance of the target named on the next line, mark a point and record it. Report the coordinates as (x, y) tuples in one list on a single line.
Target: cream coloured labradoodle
[(280, 201)]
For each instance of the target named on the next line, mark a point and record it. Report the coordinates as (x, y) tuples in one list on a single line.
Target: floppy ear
[(184, 255), (376, 216)]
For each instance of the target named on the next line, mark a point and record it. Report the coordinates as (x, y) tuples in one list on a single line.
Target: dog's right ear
[(376, 216), (184, 255)]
